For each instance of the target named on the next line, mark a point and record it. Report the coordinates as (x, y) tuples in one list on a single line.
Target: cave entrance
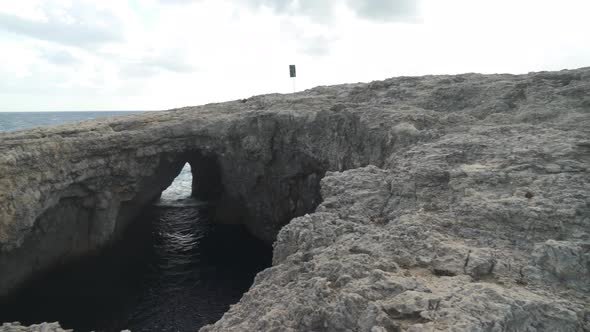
[(175, 268)]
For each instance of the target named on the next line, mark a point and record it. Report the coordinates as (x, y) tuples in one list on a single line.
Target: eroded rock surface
[(448, 203), (43, 327), (477, 220)]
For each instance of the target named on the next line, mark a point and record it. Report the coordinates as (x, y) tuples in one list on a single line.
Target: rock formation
[(445, 202), (43, 327)]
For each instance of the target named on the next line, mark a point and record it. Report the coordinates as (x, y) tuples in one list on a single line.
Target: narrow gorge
[(411, 204)]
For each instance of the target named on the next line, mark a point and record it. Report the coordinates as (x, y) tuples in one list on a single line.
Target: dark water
[(24, 120), (175, 271)]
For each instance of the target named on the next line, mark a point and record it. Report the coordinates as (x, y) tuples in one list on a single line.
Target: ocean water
[(10, 121), (175, 269)]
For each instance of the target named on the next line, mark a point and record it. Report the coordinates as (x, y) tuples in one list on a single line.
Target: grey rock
[(446, 203), (42, 327)]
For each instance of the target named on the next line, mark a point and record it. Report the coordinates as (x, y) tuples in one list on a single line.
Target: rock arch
[(452, 158), (73, 192)]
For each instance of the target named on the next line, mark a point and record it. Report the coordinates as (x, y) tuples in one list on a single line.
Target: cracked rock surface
[(448, 203), (479, 220), (43, 327)]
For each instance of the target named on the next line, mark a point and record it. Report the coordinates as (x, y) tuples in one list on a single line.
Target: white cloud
[(59, 57), (324, 10), (386, 10), (156, 54), (78, 24)]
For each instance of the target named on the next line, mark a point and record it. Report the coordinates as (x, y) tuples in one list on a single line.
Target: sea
[(175, 268)]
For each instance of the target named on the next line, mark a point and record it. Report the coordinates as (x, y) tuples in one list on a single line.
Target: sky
[(75, 55)]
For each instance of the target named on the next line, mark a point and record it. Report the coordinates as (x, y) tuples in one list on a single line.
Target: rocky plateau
[(434, 203)]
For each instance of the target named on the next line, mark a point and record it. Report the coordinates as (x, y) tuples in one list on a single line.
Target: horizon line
[(74, 111)]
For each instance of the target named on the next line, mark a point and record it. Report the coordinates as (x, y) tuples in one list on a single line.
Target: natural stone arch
[(388, 225), (261, 169), (82, 219)]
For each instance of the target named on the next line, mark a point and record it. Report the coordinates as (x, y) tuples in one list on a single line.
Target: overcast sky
[(157, 54)]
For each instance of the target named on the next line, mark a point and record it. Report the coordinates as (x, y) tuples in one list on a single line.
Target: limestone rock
[(43, 327), (435, 203)]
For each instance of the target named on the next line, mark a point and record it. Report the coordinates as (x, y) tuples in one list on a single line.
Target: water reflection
[(175, 271)]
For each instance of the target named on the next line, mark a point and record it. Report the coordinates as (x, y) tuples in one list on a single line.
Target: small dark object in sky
[(292, 71), (529, 195)]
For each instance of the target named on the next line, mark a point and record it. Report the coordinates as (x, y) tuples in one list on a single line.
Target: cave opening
[(179, 192), (173, 268)]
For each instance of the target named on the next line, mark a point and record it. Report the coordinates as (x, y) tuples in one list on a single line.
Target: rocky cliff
[(445, 202)]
